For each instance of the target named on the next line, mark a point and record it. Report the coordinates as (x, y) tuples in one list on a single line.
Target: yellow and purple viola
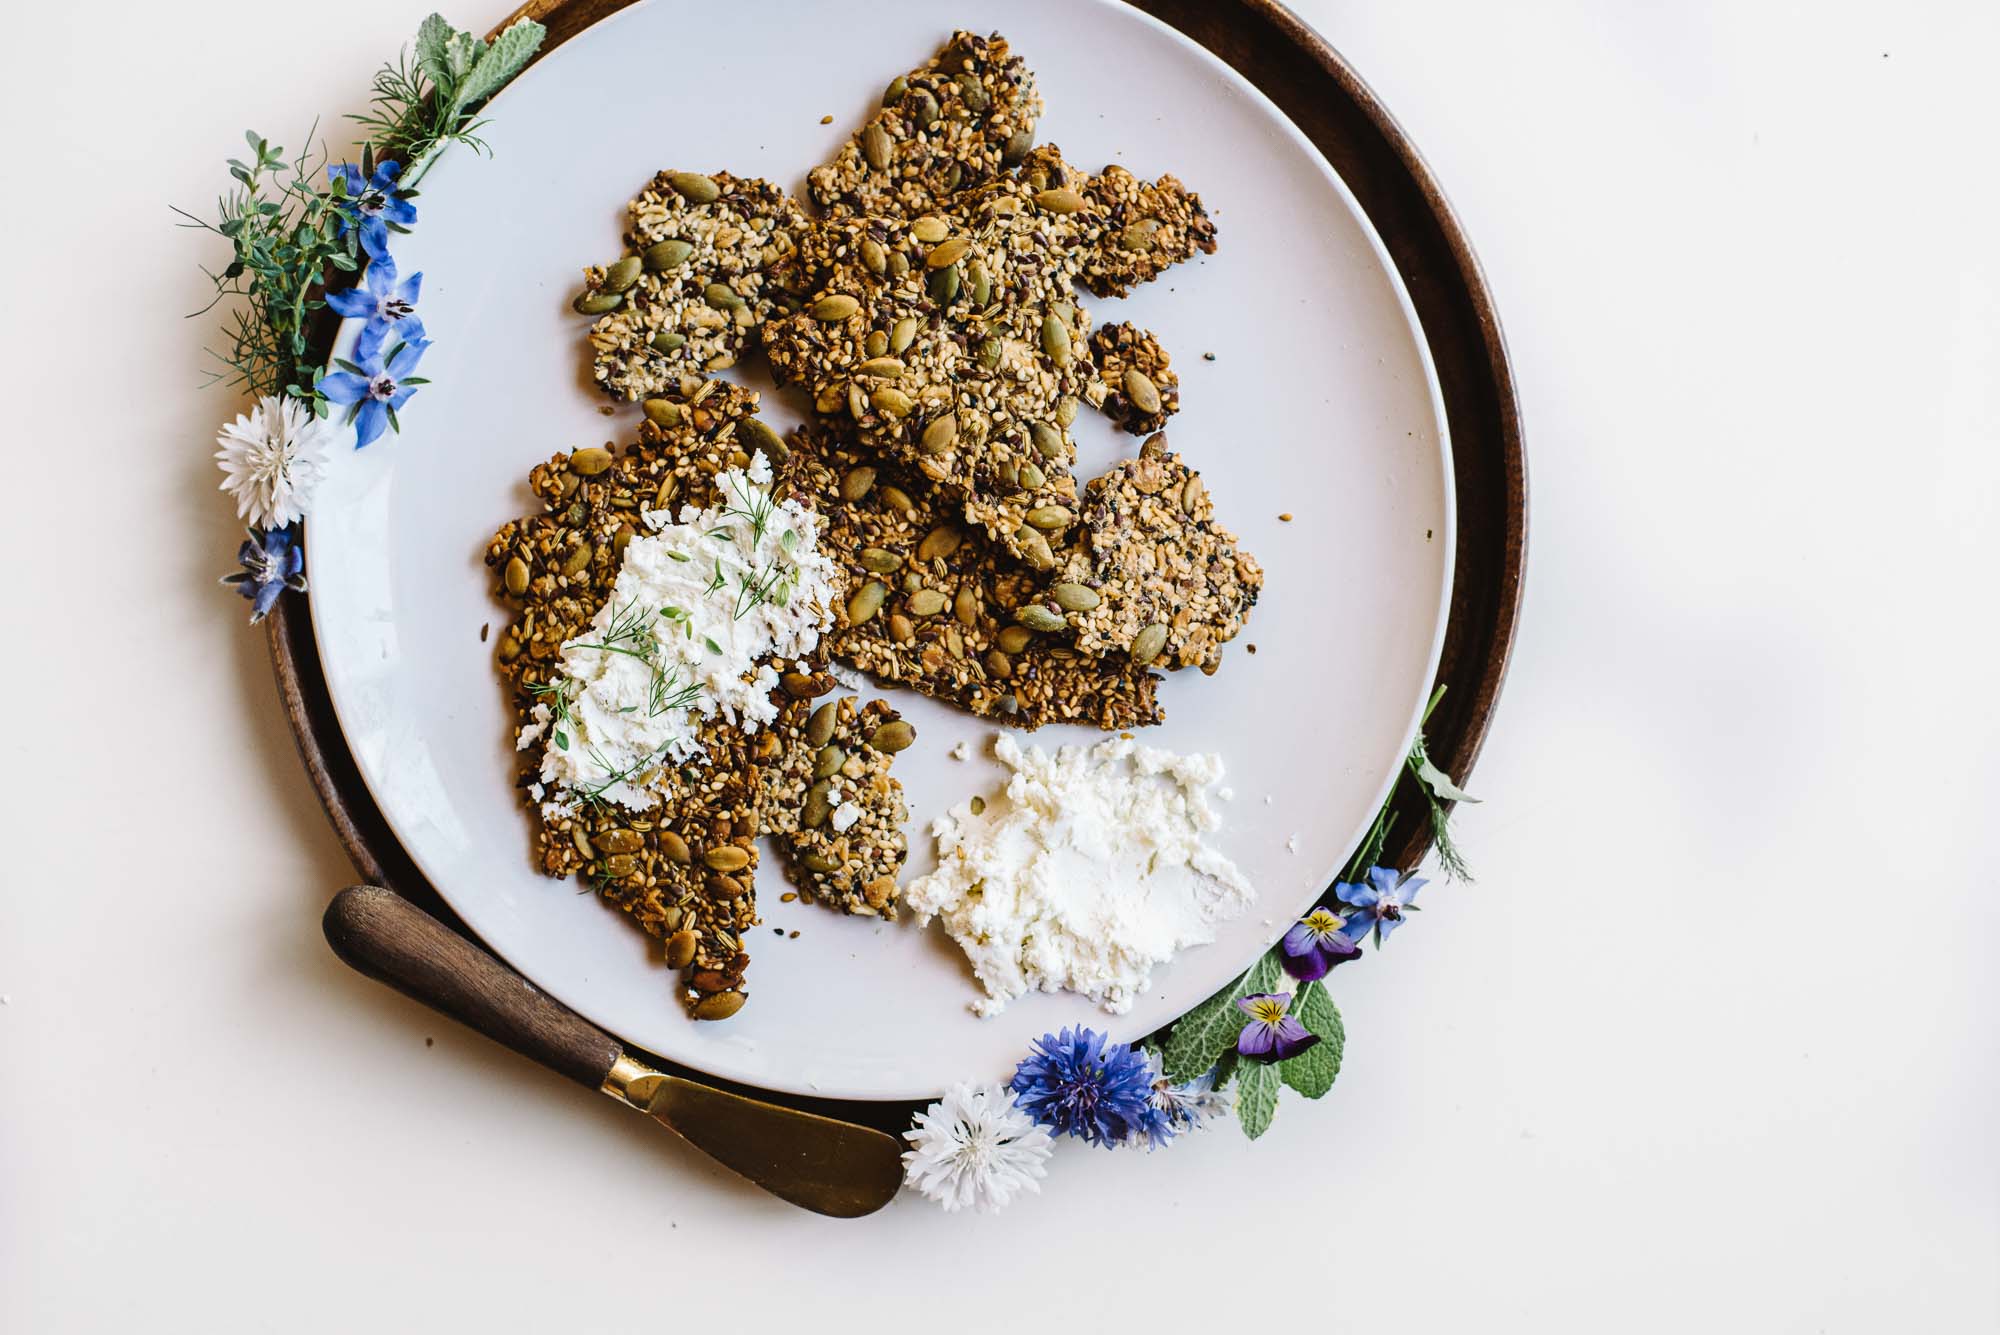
[(1315, 944), (1273, 1034)]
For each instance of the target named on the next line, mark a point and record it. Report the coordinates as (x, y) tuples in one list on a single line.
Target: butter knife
[(819, 1163)]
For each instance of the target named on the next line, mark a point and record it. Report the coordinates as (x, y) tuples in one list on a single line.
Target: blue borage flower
[(1316, 944), (1273, 1034), (1380, 901), (374, 389), (385, 305), (1079, 1083), (272, 562), (372, 204), (1179, 1108)]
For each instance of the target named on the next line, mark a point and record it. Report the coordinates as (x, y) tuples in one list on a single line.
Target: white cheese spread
[(700, 607), (1092, 872)]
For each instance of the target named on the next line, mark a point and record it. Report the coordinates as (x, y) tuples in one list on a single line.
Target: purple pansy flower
[(1272, 1035), (1316, 943), (387, 306), (372, 204), (1079, 1083), (1382, 900), (375, 389), (272, 562)]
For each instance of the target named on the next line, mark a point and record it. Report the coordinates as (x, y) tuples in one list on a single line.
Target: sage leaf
[(1201, 1037), (1256, 1097), (1312, 1072), (432, 40), (501, 61)]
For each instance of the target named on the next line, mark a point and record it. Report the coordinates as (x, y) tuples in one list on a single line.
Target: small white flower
[(272, 459), (975, 1147)]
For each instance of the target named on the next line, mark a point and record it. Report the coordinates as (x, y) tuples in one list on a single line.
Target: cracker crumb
[(959, 750), (484, 631), (1292, 844), (826, 120)]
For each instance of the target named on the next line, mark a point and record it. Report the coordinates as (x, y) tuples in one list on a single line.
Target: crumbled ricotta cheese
[(699, 608), (959, 750), (844, 816), (1090, 874)]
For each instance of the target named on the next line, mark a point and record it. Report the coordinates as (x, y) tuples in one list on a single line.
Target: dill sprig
[(1438, 789)]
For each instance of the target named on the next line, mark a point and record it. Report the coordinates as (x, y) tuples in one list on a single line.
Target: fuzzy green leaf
[(1264, 976), (1312, 1072), (1256, 1097), (1440, 783), (501, 61), (1201, 1037), (433, 39)]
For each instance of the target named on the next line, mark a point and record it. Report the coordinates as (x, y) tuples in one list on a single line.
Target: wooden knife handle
[(390, 939)]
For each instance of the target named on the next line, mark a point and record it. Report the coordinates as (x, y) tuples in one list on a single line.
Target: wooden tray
[(1304, 76)]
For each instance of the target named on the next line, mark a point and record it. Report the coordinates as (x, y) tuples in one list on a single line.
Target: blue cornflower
[(1078, 1083), (373, 205), (1316, 943), (272, 562), (387, 306), (1382, 901), (1177, 1108), (375, 389)]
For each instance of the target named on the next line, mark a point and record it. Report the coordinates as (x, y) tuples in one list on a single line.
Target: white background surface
[(1709, 1046)]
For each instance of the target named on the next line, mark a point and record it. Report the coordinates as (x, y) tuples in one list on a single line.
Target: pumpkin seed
[(989, 353), (1050, 518), (876, 146), (618, 841), (718, 1005), (1036, 617), (1048, 441), (581, 838), (872, 255), (899, 264), (1017, 146), (925, 107), (726, 857), (817, 806), (834, 307), (680, 949), (1013, 639), (517, 576), (944, 285), (866, 602), (965, 606), (723, 297), (590, 462), (882, 368), (940, 543), (804, 685), (901, 629), (1075, 597), (1059, 201), (669, 254), (819, 728), (673, 848), (1145, 395), (622, 539), (973, 94), (893, 401), (894, 92), (1055, 340), (620, 274), (757, 435), (930, 229), (668, 341), (893, 736), (902, 334), (1146, 645), (927, 603), (897, 500), (620, 867), (1067, 407), (1139, 236), (828, 762), (662, 412), (857, 483), (982, 283), (879, 561), (1035, 549), (940, 435), (947, 252), (876, 344), (579, 560), (1032, 477), (694, 187), (596, 303), (999, 664), (857, 402)]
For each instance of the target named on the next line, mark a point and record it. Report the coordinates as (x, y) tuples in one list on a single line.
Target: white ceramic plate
[(1320, 401)]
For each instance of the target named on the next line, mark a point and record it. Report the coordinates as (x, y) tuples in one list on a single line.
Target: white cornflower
[(975, 1147), (272, 459)]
